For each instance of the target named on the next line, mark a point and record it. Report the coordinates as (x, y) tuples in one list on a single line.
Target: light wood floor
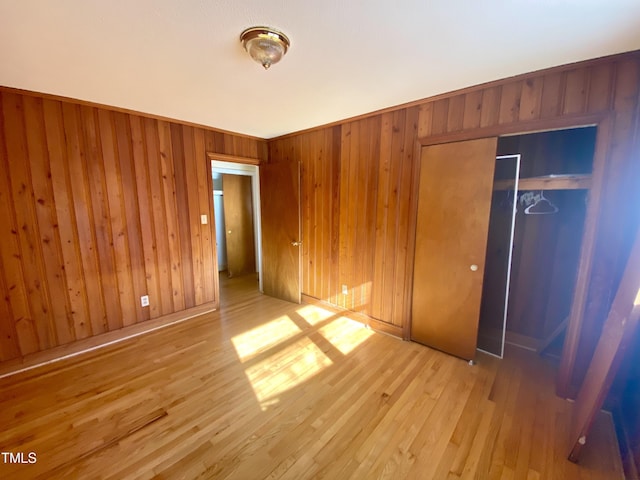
[(266, 389)]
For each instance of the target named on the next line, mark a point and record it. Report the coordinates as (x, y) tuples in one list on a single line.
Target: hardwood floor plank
[(267, 389)]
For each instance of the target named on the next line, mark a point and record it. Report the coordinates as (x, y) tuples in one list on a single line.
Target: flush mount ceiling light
[(265, 45)]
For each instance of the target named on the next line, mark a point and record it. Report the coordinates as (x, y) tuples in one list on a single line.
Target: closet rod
[(580, 181)]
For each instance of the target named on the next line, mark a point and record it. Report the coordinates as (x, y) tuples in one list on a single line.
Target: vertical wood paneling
[(161, 233), (189, 225), (205, 205), (381, 255), (171, 199), (117, 219), (84, 234), (146, 219), (425, 120), (358, 212), (308, 175), (403, 222), (599, 94), (183, 278), (394, 206), (373, 168), (66, 219), (440, 116), (348, 173), (29, 252), (9, 347), (98, 208), (552, 95), (336, 181), (15, 289), (576, 91), (472, 110), (510, 102), (131, 219), (101, 218), (47, 222), (327, 196), (455, 116), (490, 110), (531, 99), (316, 203)]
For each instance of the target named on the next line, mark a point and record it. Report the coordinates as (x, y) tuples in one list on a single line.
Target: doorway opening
[(236, 201)]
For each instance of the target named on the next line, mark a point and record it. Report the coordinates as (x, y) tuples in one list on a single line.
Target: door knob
[(296, 244), (473, 268)]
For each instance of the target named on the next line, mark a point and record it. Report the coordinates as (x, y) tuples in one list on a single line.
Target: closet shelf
[(581, 181)]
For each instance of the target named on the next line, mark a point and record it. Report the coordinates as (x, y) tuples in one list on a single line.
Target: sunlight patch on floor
[(314, 314), (286, 369), (263, 337), (345, 334)]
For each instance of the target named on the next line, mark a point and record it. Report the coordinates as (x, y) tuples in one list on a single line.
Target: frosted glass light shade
[(265, 45)]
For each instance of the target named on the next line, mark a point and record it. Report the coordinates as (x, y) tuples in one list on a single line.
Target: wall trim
[(233, 158)]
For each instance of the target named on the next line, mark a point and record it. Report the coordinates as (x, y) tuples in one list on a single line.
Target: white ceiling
[(182, 58)]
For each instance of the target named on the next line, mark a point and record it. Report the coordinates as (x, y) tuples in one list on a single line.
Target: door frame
[(603, 122), (235, 168)]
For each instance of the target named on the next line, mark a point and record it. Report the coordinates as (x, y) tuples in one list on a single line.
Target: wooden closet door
[(454, 201)]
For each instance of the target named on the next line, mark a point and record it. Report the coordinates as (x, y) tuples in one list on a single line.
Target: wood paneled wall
[(97, 208), (358, 181)]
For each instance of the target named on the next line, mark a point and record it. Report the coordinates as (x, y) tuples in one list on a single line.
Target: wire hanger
[(542, 206)]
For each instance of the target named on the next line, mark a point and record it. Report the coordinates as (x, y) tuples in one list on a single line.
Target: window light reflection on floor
[(263, 337), (345, 334), (282, 353), (313, 314), (286, 369)]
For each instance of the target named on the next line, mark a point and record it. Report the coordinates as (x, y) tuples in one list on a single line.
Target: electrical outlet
[(345, 290), (144, 300), (204, 219)]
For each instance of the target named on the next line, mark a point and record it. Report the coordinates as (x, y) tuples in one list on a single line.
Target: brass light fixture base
[(265, 45)]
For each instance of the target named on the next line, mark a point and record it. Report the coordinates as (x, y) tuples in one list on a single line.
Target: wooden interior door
[(238, 221), (454, 201), (281, 250), (617, 334)]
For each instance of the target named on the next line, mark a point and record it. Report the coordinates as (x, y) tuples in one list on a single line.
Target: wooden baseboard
[(28, 362), (373, 323)]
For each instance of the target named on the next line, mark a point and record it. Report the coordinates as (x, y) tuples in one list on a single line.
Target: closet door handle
[(473, 268), (296, 244)]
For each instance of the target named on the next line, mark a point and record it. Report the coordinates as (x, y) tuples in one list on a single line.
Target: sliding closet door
[(454, 200), (495, 288)]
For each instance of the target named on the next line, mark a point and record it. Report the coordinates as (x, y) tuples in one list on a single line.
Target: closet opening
[(537, 216)]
